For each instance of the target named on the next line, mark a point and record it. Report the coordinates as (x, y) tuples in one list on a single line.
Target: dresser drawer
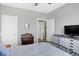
[(28, 40)]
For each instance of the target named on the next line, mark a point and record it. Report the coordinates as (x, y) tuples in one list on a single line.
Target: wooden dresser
[(27, 38)]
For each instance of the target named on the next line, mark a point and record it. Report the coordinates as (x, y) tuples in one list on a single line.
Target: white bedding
[(39, 49)]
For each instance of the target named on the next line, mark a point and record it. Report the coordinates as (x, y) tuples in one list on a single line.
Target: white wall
[(0, 22), (24, 17), (65, 15)]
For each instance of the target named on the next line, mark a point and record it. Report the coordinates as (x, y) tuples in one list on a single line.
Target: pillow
[(3, 51), (2, 54)]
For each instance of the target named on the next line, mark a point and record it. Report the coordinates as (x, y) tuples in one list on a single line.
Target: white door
[(50, 29), (9, 30)]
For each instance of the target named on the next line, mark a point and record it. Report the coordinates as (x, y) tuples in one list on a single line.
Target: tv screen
[(71, 30)]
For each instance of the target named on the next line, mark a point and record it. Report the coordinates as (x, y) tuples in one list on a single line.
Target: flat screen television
[(72, 30)]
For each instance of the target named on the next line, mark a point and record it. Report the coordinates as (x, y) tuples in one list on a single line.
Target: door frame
[(43, 19)]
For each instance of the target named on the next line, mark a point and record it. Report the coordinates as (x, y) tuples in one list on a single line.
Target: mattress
[(39, 49)]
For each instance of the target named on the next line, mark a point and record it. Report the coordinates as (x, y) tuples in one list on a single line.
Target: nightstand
[(27, 38)]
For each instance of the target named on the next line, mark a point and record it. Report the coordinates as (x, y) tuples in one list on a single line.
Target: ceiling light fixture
[(49, 3)]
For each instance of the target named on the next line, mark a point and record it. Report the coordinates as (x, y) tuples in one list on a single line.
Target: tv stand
[(70, 42)]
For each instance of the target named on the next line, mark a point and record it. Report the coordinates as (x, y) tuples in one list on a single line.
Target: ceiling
[(41, 7)]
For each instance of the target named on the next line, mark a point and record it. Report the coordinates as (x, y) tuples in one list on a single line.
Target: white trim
[(37, 25)]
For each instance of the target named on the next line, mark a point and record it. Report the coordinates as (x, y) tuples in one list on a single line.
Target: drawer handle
[(71, 46), (71, 40), (71, 43)]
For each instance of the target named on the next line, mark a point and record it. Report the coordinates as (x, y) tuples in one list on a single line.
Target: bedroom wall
[(24, 17), (0, 17), (0, 22), (65, 15)]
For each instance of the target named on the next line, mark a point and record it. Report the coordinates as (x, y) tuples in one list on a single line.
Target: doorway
[(42, 30)]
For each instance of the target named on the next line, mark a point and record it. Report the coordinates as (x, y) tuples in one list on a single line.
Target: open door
[(50, 29), (41, 30)]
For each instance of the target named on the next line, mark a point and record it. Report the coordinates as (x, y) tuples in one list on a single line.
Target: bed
[(38, 49)]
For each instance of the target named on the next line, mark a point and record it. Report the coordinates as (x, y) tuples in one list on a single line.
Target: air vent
[(36, 4)]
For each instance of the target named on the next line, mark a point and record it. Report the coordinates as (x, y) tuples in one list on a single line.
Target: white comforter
[(39, 49)]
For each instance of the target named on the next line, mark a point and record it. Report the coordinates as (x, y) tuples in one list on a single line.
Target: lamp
[(26, 26)]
